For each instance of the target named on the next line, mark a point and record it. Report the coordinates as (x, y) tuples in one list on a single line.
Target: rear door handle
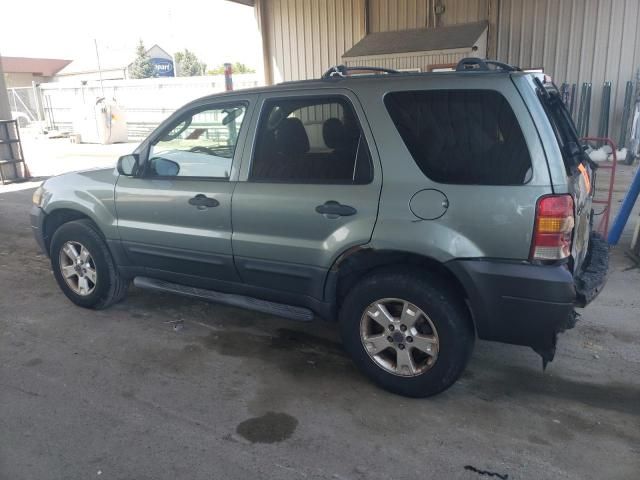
[(333, 209), (202, 201)]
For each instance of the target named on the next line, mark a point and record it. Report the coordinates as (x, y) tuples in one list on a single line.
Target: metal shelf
[(10, 135)]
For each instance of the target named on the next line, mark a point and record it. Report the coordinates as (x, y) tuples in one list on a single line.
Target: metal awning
[(250, 3), (418, 40)]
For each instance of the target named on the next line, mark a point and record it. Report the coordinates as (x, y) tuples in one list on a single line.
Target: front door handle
[(333, 209), (202, 201)]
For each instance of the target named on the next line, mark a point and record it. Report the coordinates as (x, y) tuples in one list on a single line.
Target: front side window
[(199, 145), (462, 136), (310, 140)]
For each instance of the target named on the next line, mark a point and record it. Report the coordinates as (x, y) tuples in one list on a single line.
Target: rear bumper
[(527, 304), (593, 275), (37, 217)]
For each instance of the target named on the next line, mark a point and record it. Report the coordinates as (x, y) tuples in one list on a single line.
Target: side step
[(279, 309)]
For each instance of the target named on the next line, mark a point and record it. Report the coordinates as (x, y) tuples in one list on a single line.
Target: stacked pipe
[(584, 109), (605, 106)]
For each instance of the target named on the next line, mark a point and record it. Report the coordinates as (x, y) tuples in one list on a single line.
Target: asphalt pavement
[(163, 387)]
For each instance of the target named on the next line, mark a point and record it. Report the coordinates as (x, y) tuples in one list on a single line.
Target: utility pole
[(95, 42), (5, 110)]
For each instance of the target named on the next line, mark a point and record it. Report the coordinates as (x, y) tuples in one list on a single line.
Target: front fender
[(90, 193)]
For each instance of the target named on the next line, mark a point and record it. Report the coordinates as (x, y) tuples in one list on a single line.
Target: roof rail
[(479, 64), (343, 71)]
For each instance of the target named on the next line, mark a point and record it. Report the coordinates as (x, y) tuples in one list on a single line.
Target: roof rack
[(479, 64), (343, 71)]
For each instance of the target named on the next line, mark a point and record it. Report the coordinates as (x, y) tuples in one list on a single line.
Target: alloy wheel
[(78, 268), (399, 337)]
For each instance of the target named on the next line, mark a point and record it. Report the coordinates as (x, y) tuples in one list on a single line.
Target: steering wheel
[(201, 149)]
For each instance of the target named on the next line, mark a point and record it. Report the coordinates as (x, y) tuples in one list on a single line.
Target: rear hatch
[(580, 169)]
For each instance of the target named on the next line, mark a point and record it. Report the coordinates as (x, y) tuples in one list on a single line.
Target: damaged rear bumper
[(593, 275), (525, 304)]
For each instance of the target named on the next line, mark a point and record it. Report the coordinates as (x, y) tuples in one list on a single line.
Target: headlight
[(37, 196)]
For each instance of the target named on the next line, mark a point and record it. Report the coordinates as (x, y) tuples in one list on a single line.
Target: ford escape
[(417, 211)]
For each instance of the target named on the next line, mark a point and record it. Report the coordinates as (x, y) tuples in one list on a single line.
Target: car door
[(309, 190), (174, 217)]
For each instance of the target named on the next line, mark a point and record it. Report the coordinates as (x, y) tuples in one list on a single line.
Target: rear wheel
[(408, 332), (83, 267)]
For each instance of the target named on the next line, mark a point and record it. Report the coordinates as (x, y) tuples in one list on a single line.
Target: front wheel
[(407, 331), (83, 267)]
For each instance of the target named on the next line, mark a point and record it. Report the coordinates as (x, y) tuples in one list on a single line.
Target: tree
[(188, 65), (237, 68), (141, 66)]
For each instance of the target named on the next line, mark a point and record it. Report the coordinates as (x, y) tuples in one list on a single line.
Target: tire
[(444, 329), (109, 286)]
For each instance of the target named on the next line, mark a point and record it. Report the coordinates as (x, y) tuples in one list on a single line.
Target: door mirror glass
[(161, 167), (128, 165)]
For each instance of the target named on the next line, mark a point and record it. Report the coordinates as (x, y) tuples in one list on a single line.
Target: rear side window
[(310, 140), (462, 136), (563, 127)]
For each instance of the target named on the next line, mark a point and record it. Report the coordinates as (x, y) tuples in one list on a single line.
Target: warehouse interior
[(575, 42)]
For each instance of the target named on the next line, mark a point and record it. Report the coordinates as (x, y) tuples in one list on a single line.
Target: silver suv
[(419, 211)]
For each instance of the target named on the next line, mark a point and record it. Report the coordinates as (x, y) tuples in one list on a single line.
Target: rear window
[(462, 136)]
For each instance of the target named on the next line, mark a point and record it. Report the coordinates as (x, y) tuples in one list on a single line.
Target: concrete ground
[(165, 387)]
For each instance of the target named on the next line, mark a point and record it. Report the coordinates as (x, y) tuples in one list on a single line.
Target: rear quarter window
[(462, 136)]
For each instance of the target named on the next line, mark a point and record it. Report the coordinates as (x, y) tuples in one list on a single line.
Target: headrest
[(291, 137), (333, 133)]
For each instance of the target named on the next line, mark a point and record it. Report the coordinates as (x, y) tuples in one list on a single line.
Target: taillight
[(553, 228)]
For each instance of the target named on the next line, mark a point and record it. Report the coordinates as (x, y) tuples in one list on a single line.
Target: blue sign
[(162, 67)]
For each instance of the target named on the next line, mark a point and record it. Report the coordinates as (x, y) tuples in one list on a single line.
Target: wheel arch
[(58, 217), (357, 262)]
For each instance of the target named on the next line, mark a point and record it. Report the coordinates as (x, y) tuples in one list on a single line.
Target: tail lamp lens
[(553, 228)]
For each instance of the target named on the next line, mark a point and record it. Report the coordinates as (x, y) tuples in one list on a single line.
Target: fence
[(147, 102), (24, 105)]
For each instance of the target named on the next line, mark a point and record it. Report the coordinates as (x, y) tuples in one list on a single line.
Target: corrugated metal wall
[(385, 15), (400, 15), (575, 41), (306, 37)]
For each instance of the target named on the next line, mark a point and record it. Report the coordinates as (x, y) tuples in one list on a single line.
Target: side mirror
[(128, 164)]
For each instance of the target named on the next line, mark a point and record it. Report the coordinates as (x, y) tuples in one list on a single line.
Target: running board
[(279, 309)]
